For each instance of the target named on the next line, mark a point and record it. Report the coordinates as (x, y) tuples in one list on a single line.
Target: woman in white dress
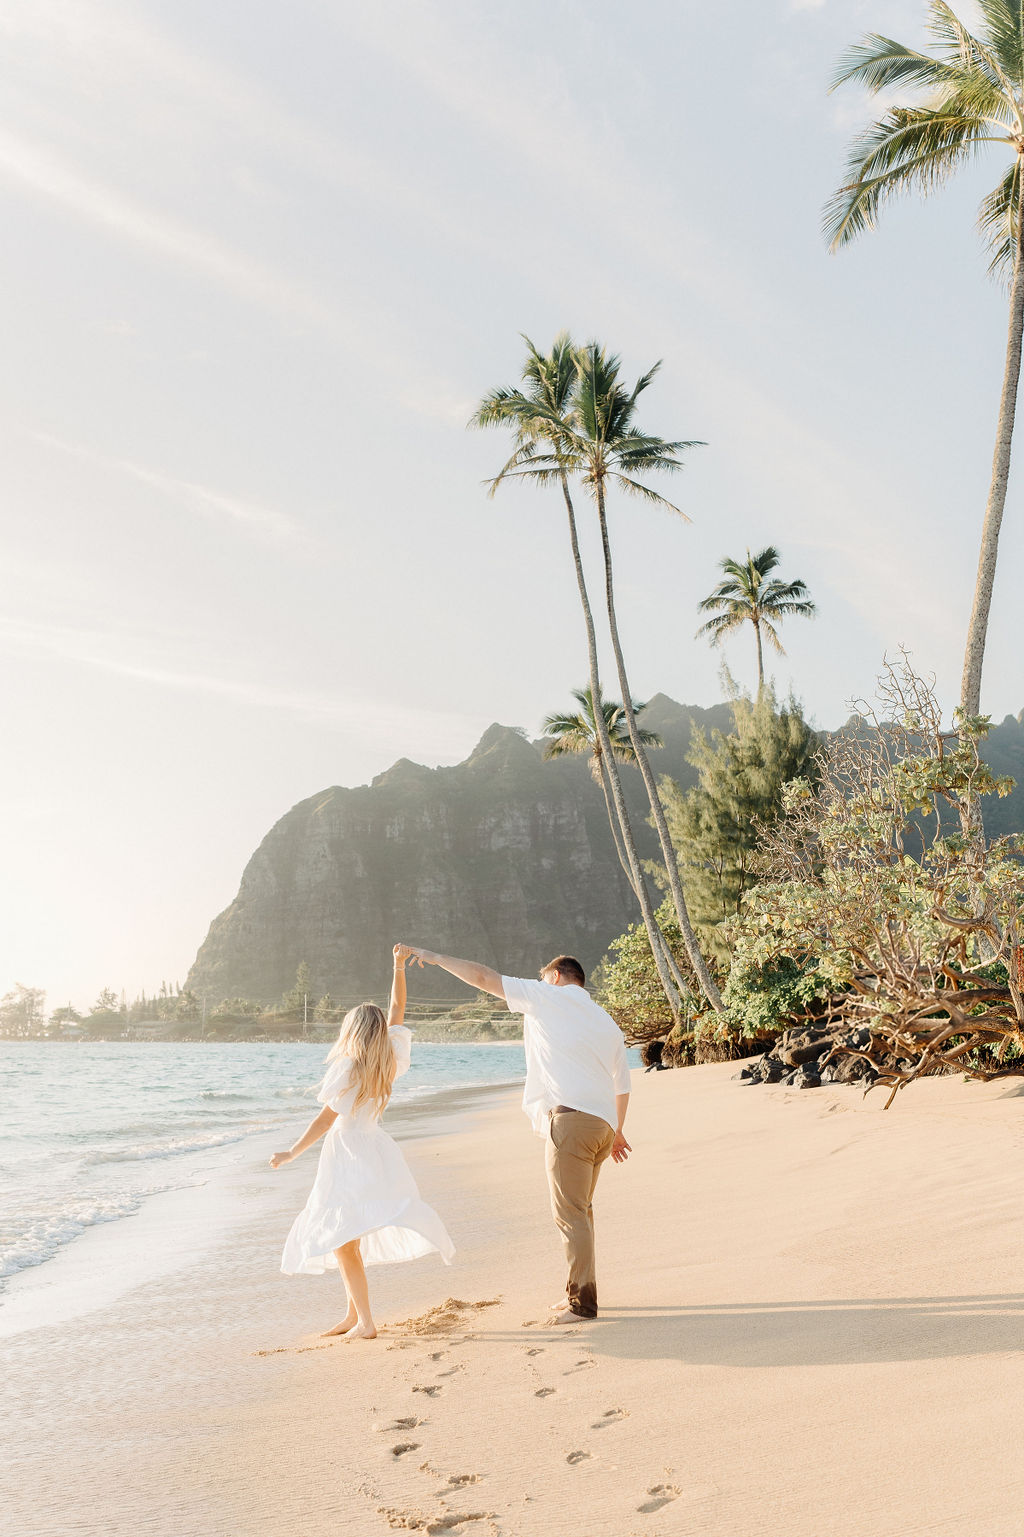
[(364, 1208)]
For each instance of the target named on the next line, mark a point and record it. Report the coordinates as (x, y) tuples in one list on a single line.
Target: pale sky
[(259, 262)]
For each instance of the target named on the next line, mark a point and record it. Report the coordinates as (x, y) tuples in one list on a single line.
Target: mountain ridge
[(505, 858)]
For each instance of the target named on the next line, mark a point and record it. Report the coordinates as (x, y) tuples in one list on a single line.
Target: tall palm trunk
[(974, 656), (613, 822), (653, 933), (760, 657), (700, 966)]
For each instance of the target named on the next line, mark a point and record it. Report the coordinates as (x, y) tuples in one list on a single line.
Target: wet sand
[(811, 1322)]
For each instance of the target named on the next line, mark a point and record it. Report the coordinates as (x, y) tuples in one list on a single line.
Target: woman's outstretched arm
[(313, 1132), (484, 978), (396, 1010)]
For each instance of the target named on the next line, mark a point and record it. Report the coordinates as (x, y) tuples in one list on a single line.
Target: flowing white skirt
[(363, 1189)]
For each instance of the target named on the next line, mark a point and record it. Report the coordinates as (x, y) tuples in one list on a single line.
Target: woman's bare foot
[(567, 1316), (559, 1306), (360, 1332), (342, 1328)]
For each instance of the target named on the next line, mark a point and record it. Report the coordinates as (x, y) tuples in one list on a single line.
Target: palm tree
[(577, 734), (745, 597), (974, 96), (597, 440), (537, 414)]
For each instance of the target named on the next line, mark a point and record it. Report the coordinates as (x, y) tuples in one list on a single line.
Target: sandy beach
[(811, 1322)]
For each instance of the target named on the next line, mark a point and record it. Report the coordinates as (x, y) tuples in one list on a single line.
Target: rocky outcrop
[(505, 858), (810, 1055)]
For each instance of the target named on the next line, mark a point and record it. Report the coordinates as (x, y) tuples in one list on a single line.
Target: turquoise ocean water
[(90, 1132)]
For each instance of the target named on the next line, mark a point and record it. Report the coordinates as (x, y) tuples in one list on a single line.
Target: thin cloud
[(439, 733), (44, 173), (47, 175), (248, 515)]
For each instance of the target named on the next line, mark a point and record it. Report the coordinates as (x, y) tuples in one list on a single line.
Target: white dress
[(363, 1187)]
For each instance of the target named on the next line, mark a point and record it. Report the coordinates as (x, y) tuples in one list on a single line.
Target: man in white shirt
[(576, 1096)]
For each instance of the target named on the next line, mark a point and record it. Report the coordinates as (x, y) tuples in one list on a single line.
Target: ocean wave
[(403, 1095), (224, 1094), (47, 1235), (176, 1146)]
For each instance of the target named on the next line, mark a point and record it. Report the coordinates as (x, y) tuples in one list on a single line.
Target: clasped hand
[(416, 953)]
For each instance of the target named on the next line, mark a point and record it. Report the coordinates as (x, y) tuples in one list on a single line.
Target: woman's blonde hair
[(364, 1038)]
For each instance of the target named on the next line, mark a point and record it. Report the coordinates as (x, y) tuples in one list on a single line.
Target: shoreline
[(798, 1292), (324, 1039), (177, 1226)]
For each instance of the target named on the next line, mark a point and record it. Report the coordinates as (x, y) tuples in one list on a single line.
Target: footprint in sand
[(459, 1480), (535, 1350), (660, 1494), (406, 1520), (574, 1457), (403, 1447), (408, 1422), (543, 1393), (431, 1391), (609, 1417), (445, 1317), (450, 1523)]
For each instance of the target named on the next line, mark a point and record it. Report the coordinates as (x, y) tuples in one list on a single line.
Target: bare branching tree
[(875, 885)]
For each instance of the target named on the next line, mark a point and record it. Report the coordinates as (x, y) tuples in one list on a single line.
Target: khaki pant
[(577, 1146)]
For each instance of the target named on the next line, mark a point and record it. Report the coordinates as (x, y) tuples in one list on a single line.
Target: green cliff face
[(505, 858)]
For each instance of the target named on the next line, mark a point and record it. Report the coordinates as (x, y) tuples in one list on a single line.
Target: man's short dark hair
[(568, 967)]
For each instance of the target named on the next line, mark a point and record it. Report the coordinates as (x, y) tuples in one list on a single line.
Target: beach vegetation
[(880, 915), (22, 1011), (967, 96), (236, 1008), (717, 825), (299, 997)]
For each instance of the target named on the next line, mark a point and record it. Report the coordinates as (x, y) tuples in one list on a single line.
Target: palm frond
[(773, 635), (648, 493), (1004, 30), (552, 376), (723, 624), (725, 592), (879, 63), (497, 408), (766, 560), (522, 454), (579, 734), (797, 592), (999, 220), (807, 610), (623, 750), (911, 148), (950, 33), (975, 95)]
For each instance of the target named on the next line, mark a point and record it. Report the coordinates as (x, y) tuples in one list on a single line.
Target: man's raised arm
[(484, 978)]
